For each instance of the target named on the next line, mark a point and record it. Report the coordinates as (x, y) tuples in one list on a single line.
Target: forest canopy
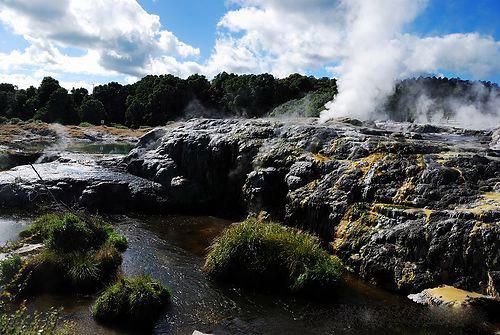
[(157, 99)]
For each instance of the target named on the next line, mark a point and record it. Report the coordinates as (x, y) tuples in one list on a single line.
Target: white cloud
[(365, 39), (115, 36)]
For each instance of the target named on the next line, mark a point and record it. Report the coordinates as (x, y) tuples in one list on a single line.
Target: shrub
[(82, 254), (133, 301), (53, 271), (85, 124), (118, 241), (9, 268), (70, 232), (15, 120), (21, 322), (40, 229), (267, 253)]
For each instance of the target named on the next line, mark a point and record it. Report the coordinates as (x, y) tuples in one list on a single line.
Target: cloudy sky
[(85, 42)]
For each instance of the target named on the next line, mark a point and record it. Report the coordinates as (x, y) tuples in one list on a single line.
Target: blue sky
[(251, 36)]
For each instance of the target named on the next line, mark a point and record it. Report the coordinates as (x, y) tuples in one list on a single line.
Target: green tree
[(21, 106), (113, 96), (78, 95), (91, 111), (135, 113), (59, 108), (48, 86)]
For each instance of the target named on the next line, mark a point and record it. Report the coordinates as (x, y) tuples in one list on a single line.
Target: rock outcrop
[(405, 206)]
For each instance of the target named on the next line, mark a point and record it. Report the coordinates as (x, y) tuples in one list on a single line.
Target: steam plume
[(377, 54)]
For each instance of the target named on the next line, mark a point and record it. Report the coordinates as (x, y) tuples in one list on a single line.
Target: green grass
[(82, 254), (21, 322), (136, 301), (70, 232), (268, 254)]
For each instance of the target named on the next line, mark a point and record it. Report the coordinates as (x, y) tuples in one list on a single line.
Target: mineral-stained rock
[(405, 211), (457, 298)]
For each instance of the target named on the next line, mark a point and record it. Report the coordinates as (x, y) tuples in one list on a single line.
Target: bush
[(85, 124), (70, 232), (267, 253), (118, 241), (9, 268), (52, 271), (82, 254), (41, 228), (15, 120), (23, 323), (136, 301), (73, 234)]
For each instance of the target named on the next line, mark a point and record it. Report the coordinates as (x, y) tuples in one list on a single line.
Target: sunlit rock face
[(406, 206)]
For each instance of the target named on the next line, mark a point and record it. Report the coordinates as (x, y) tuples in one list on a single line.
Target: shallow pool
[(171, 249)]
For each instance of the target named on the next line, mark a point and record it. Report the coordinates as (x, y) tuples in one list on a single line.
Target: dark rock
[(406, 211)]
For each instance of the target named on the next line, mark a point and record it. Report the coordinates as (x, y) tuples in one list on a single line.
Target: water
[(10, 226), (171, 249), (117, 148)]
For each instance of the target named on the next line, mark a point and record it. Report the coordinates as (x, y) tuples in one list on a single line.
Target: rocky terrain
[(405, 206)]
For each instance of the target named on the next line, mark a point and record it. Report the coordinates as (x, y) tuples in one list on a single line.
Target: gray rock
[(406, 212)]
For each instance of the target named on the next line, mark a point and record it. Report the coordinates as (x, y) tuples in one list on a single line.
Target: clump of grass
[(21, 322), (118, 241), (136, 301), (82, 253), (41, 227), (9, 268), (70, 232), (269, 254)]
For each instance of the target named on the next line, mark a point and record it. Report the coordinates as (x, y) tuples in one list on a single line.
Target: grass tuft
[(137, 301), (270, 254), (82, 254)]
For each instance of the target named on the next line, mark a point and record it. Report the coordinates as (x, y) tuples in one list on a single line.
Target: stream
[(172, 248)]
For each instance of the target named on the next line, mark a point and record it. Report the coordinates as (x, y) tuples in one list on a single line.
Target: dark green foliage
[(136, 302), (113, 96), (48, 86), (70, 232), (154, 100), (91, 111), (41, 227), (118, 241), (268, 254), (59, 108), (9, 268), (73, 234), (79, 95)]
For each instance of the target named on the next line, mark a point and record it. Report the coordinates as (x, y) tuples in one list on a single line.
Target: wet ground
[(171, 249)]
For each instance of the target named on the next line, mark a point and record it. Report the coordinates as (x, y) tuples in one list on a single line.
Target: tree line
[(440, 96), (157, 99)]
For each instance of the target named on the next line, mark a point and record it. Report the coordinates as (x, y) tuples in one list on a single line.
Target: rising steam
[(378, 54)]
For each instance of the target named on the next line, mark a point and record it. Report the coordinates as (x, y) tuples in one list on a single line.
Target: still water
[(171, 249)]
